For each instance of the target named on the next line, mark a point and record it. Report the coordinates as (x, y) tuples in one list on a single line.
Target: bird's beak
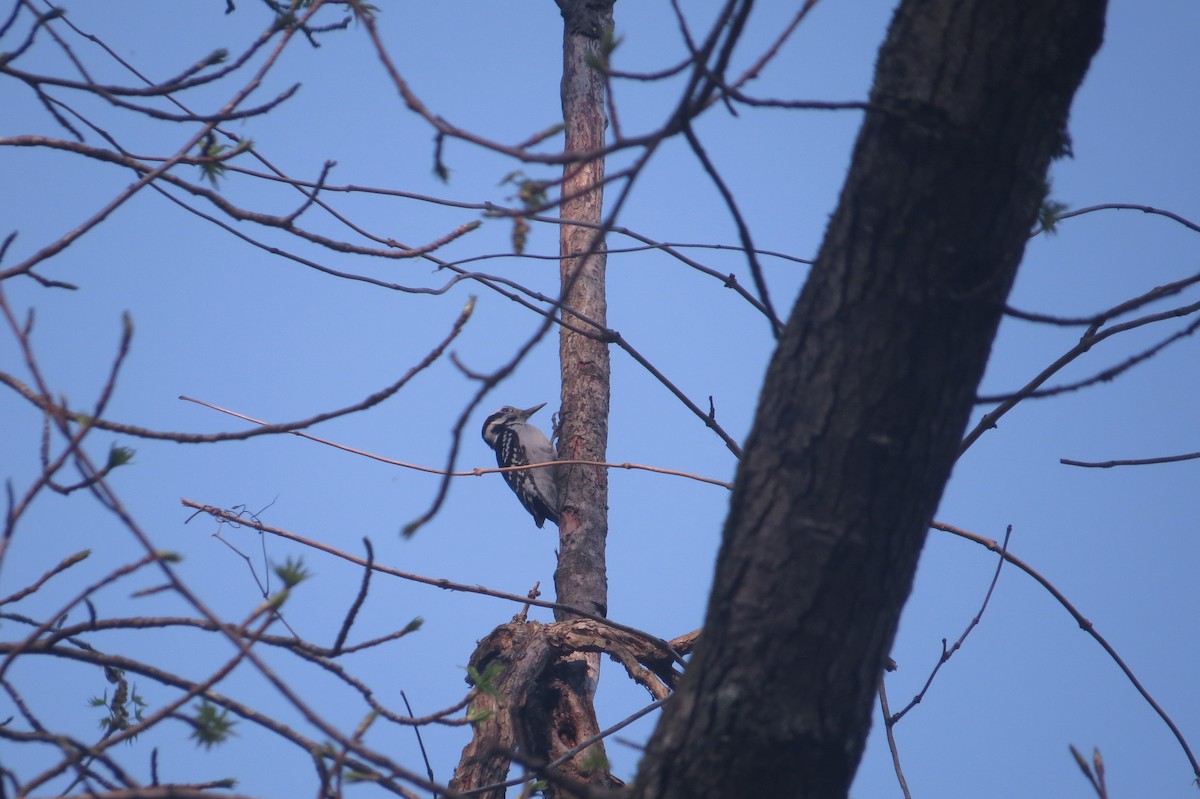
[(527, 413)]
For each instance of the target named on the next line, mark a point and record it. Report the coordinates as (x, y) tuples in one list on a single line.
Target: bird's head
[(506, 417)]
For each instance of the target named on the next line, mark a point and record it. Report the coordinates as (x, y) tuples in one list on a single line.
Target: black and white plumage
[(517, 443)]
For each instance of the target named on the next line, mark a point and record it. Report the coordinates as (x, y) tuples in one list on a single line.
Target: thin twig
[(1091, 338), (579, 747), (43, 401), (476, 472), (420, 743), (436, 582), (949, 653), (889, 728), (1145, 209), (1084, 625), (1190, 456), (1093, 772), (361, 597)]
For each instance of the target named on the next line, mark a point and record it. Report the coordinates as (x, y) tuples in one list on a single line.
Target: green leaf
[(211, 725), (1048, 215), (610, 42), (292, 572), (212, 171), (119, 456), (529, 191), (484, 680)]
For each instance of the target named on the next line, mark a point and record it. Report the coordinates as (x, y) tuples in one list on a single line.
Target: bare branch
[(42, 401), (889, 728), (476, 472), (1091, 338), (1103, 376), (1190, 456), (949, 653), (1145, 209), (743, 229), (444, 584), (1084, 624)]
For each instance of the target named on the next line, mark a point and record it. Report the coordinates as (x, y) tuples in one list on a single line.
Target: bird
[(517, 443)]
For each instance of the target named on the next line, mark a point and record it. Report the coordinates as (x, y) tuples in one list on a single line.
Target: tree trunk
[(867, 396), (543, 699), (560, 713), (581, 579)]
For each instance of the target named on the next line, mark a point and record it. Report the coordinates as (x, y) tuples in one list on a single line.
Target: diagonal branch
[(1085, 625)]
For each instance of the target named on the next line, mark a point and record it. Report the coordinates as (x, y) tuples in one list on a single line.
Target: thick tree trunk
[(867, 397)]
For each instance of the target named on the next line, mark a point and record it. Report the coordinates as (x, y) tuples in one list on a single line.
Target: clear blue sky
[(236, 326)]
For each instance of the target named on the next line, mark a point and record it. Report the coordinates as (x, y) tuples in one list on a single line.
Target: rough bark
[(513, 711), (581, 579), (523, 655), (560, 713), (867, 397), (545, 703), (545, 707)]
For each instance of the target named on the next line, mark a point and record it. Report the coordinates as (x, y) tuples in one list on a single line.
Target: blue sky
[(233, 325)]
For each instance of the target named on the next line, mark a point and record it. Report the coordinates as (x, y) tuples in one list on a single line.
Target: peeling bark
[(555, 710), (581, 579), (531, 706)]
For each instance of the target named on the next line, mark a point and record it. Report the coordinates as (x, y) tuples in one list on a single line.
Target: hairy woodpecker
[(518, 443)]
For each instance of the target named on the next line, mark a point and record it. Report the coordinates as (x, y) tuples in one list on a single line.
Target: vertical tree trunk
[(561, 713), (547, 705), (867, 396), (581, 578)]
